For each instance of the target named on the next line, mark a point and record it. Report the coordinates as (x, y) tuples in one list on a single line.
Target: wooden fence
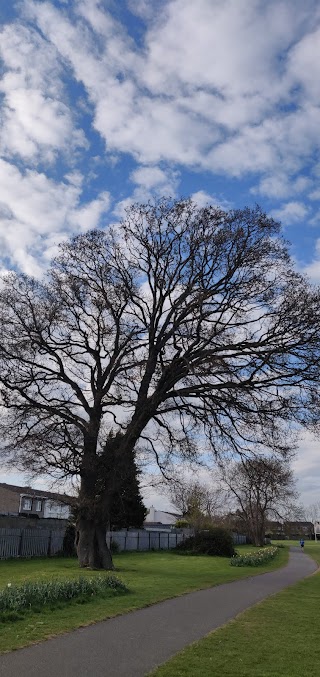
[(30, 542)]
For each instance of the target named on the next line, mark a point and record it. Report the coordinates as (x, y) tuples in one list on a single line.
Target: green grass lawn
[(275, 638), (150, 577)]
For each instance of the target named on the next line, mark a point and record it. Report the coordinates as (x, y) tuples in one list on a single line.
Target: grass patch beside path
[(276, 638), (150, 577)]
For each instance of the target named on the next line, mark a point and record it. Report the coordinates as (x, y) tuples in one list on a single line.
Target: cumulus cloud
[(36, 122), (151, 177), (225, 87), (46, 212), (202, 199), (279, 186), (291, 212), (210, 87)]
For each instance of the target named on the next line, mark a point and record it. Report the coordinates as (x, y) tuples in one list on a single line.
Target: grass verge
[(150, 577), (275, 638)]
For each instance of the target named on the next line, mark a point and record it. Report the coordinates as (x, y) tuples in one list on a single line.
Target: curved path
[(135, 643)]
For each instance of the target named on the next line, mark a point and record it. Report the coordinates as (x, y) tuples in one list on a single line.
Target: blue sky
[(105, 103)]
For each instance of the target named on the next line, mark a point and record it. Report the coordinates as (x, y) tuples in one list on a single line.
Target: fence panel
[(9, 543), (30, 542), (153, 540), (34, 543), (144, 540), (239, 539), (56, 541)]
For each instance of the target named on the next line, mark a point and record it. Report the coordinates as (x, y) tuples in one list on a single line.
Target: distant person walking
[(301, 543)]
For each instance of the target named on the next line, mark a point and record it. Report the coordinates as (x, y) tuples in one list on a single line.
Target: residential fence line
[(30, 542), (140, 539), (26, 542)]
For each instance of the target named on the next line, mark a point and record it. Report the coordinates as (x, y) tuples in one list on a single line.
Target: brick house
[(30, 502)]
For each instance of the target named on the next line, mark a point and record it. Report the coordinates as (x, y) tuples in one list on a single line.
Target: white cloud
[(307, 469), (88, 216), (312, 269), (36, 122), (202, 199), (282, 186), (314, 195), (206, 88), (303, 63), (151, 177), (228, 86), (45, 213), (291, 212), (151, 181)]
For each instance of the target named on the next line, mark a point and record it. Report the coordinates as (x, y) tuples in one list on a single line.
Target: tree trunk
[(253, 531), (257, 535), (95, 497), (92, 548), (91, 526)]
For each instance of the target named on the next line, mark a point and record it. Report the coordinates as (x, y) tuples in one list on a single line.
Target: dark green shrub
[(68, 547), (215, 541), (114, 547)]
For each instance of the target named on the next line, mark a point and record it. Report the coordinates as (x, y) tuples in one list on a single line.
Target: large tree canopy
[(180, 327)]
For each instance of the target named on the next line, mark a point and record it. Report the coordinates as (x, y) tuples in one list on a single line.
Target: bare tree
[(181, 326), (197, 503), (263, 488), (312, 512)]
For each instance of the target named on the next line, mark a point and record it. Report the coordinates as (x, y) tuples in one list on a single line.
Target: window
[(26, 504), (38, 505)]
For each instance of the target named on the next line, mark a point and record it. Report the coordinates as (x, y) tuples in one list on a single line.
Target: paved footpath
[(135, 643)]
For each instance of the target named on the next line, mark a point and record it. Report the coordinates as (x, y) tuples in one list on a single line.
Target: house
[(28, 502), (292, 530), (156, 518)]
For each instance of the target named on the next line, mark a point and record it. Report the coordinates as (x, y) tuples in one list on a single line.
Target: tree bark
[(92, 548), (257, 534), (91, 526)]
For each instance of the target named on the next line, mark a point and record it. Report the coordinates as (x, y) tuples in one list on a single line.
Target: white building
[(56, 509), (155, 517)]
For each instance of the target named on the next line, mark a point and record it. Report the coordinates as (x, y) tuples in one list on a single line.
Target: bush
[(16, 598), (254, 559), (215, 541), (182, 524), (68, 547), (114, 547)]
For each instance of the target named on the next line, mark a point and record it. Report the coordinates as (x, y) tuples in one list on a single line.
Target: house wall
[(14, 502), (56, 510), (34, 498), (160, 517), (9, 500), (20, 522)]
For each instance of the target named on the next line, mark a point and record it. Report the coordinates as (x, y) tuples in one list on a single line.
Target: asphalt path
[(135, 643)]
